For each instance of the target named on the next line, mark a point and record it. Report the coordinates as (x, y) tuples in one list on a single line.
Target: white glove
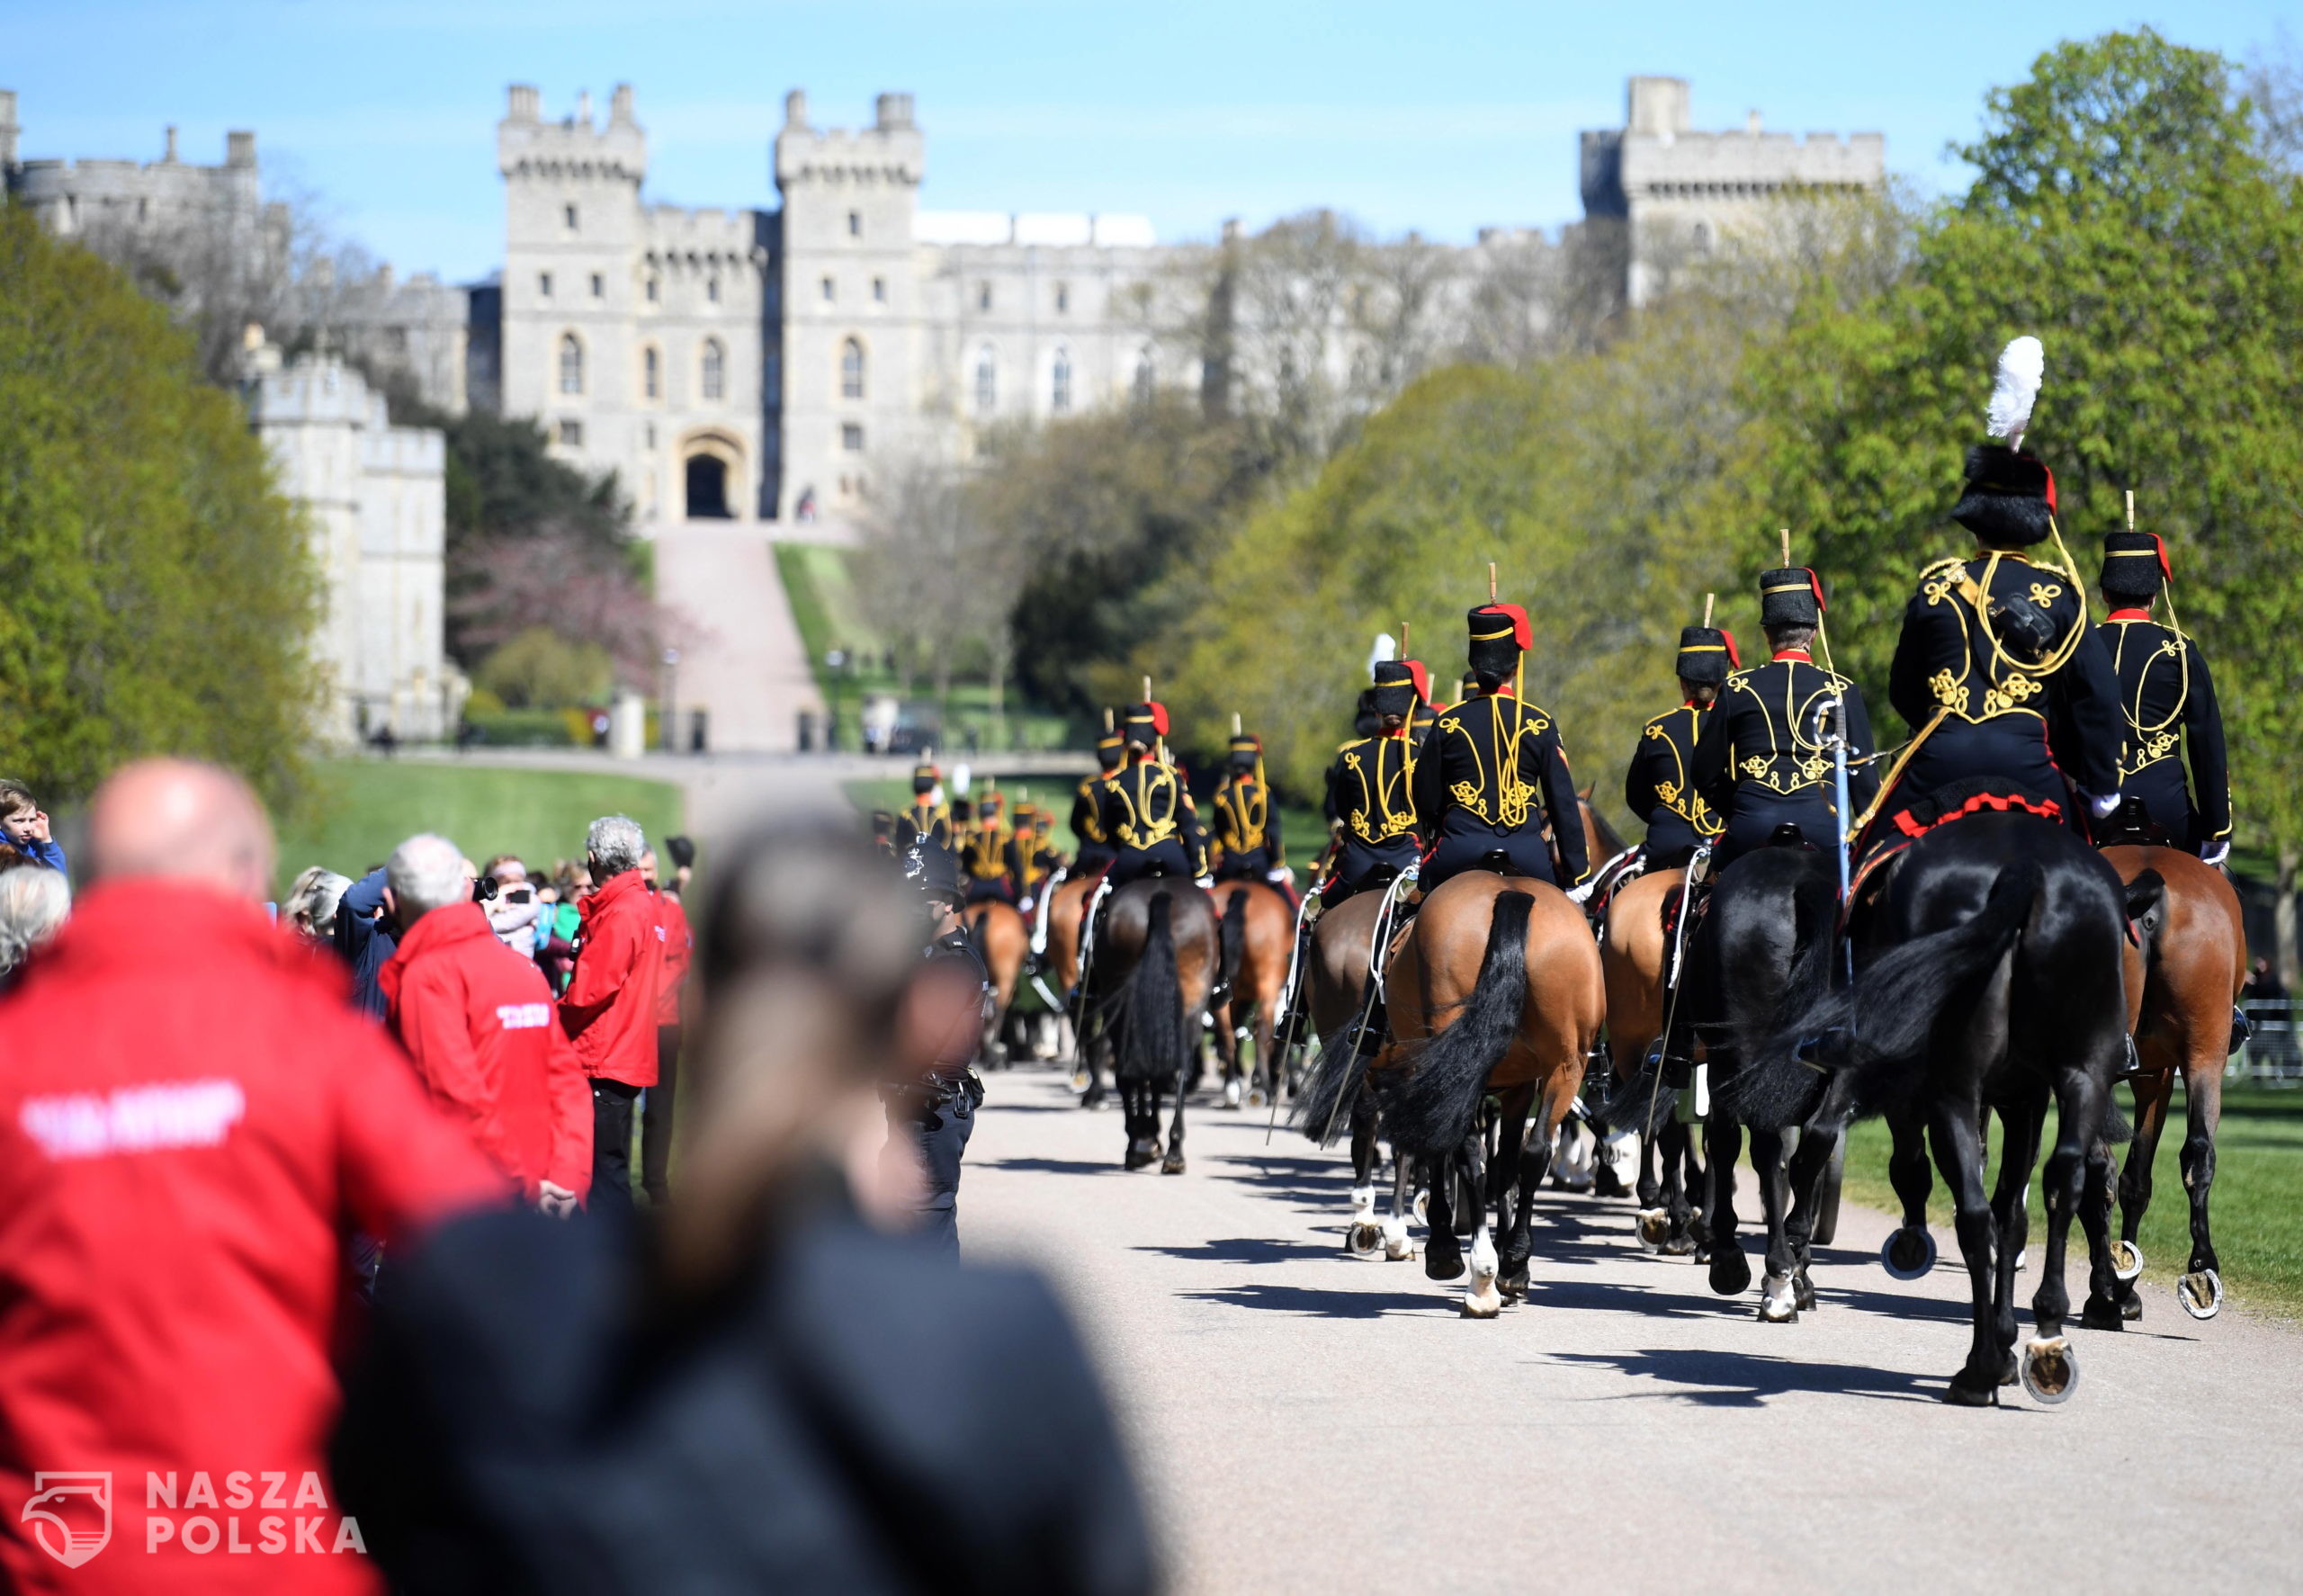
[(2101, 807), (2215, 853), (1276, 877), (1582, 894), (1204, 882)]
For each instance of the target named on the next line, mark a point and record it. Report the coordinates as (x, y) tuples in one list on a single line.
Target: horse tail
[(1149, 1006), (1430, 1110), (1878, 1030), (1232, 941), (1638, 1104), (978, 940), (1324, 1108)]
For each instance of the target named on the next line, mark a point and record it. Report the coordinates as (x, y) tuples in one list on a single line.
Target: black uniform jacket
[(1087, 812), (983, 856), (2167, 698), (1145, 803), (1368, 791), (1030, 862), (1763, 746), (923, 820), (1495, 765), (1997, 705), (1245, 820), (1659, 786)]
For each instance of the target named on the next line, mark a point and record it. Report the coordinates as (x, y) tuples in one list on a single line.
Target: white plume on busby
[(1384, 649), (2015, 389)]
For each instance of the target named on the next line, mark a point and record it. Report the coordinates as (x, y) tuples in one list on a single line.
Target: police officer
[(1660, 786), (983, 854), (1763, 759), (926, 817), (940, 1112), (1246, 839), (1095, 853), (1492, 772), (2167, 703), (1369, 801), (1147, 811), (1995, 650)]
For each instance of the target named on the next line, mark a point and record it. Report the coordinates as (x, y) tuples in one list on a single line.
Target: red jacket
[(190, 1119), (478, 1021), (679, 948), (609, 1008)]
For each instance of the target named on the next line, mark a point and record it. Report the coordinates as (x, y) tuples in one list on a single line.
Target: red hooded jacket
[(478, 1019), (609, 1009), (680, 950), (190, 1122)]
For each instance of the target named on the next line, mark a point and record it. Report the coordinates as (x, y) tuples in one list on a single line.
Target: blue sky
[(1439, 116)]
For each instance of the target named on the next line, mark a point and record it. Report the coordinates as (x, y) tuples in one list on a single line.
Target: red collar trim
[(1799, 654), (2129, 614)]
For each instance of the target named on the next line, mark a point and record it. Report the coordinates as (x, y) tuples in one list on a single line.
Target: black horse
[(1989, 978)]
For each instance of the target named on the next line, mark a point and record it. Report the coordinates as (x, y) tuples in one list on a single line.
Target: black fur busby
[(1707, 654), (1147, 723), (1499, 635), (924, 778), (2007, 498), (1244, 751), (2134, 566), (962, 811), (1791, 597), (1111, 747), (1395, 689)]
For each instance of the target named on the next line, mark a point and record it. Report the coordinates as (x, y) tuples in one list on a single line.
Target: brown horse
[(1267, 940), (1159, 957), (1336, 995), (1497, 987), (1061, 963), (998, 930), (2195, 961), (1633, 954)]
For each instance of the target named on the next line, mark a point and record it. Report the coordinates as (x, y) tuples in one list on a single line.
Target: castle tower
[(850, 324)]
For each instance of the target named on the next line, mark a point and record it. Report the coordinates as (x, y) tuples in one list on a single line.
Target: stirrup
[(2130, 1061)]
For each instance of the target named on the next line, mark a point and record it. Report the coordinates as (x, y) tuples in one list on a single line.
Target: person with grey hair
[(33, 904), (609, 1009), (311, 904), (773, 1393)]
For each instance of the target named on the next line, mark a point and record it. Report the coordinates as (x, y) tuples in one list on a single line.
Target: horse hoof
[(1080, 1080), (1513, 1284), (1965, 1392), (1676, 1246), (1908, 1253), (2101, 1312), (1483, 1305), (2050, 1369), (1399, 1248), (1653, 1229), (1232, 1094), (1423, 1207), (1441, 1263), (1093, 1099), (1701, 1254), (2130, 1304), (1803, 1292), (1362, 1241), (1258, 1099), (1173, 1164), (2201, 1294), (1779, 1302), (1730, 1271), (2126, 1259), (1139, 1155)]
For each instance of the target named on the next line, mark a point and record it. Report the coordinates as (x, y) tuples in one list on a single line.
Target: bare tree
[(937, 577), (2274, 86)]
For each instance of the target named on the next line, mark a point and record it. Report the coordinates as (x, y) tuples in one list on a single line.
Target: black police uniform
[(1490, 774), (1659, 787), (2166, 702), (1246, 830), (1367, 792), (941, 1111), (1763, 760), (1147, 812)]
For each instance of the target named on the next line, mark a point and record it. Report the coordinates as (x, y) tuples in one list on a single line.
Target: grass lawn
[(365, 808), (2257, 1201)]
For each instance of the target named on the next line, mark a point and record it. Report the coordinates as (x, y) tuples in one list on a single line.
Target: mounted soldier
[(1659, 786), (1763, 759), (1996, 652), (983, 854), (1146, 810), (1245, 837), (1030, 858), (2167, 705), (928, 817), (1493, 773), (1370, 806), (1095, 853)]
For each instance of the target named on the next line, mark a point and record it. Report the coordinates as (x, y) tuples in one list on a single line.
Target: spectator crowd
[(340, 1193)]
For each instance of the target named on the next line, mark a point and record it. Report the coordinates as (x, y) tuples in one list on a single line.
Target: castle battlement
[(891, 150), (526, 146)]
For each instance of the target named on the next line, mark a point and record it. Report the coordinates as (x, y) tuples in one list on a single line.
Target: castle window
[(880, 290), (830, 291), (855, 224), (1059, 383), (1703, 237), (987, 381), (571, 433), (983, 296), (652, 435), (1062, 298), (715, 369), (543, 283), (571, 364), (712, 290), (1144, 375), (851, 369), (652, 374), (599, 286), (655, 290), (851, 437), (568, 212)]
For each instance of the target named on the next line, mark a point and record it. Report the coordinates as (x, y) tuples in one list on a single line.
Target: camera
[(483, 891)]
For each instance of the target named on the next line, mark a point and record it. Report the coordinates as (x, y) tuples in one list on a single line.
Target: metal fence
[(2273, 1055)]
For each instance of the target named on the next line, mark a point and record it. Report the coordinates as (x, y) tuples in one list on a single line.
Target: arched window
[(851, 369), (1145, 375), (652, 374), (1059, 382), (987, 381), (571, 364), (715, 369), (1703, 237)]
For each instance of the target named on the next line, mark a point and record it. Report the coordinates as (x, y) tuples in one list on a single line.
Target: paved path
[(741, 659), (1310, 1422)]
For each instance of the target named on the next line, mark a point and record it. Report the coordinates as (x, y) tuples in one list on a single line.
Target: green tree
[(156, 592)]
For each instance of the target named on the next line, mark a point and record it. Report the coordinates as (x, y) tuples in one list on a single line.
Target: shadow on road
[(1719, 1379), (1247, 1250), (1055, 1166), (1317, 1304)]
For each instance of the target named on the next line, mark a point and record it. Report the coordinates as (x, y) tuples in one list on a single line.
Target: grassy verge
[(365, 808), (2258, 1195)]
